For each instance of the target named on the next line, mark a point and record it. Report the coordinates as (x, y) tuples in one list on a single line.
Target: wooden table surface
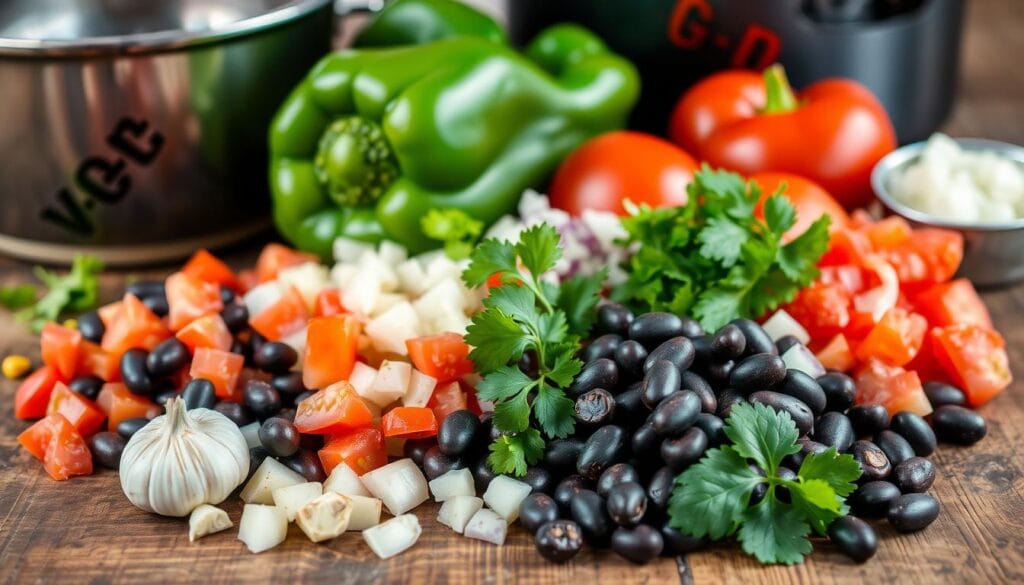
[(84, 530)]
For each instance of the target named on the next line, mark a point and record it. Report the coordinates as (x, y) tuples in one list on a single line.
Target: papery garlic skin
[(182, 459)]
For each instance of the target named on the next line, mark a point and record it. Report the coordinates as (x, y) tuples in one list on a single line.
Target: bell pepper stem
[(354, 162), (779, 96)]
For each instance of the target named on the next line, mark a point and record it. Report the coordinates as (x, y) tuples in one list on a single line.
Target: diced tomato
[(119, 403), (975, 357), (860, 325), (847, 247), (362, 450), (33, 393), (94, 361), (190, 298), (447, 398), (335, 409), (896, 339), (888, 232), (208, 268), (328, 303), (891, 386), (822, 308), (444, 357), (953, 303), (849, 277), (60, 347), (409, 422), (931, 255), (331, 344), (208, 331), (276, 257), (283, 318), (82, 413), (837, 355), (55, 441), (109, 312), (133, 326), (221, 368), (247, 280)]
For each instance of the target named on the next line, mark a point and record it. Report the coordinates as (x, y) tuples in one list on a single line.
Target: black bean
[(785, 343), (614, 475), (690, 328), (728, 343), (660, 381), (275, 357), (166, 358), (86, 386), (602, 347), (759, 492), (676, 413), (602, 373), (873, 463), (797, 410), (839, 389), (678, 543), (106, 448), (713, 427), (659, 488), (458, 432), (537, 510), (286, 414), (895, 447), (761, 371), (314, 442), (942, 394), (807, 446), (834, 430), (482, 474), (868, 419), (629, 406), (915, 475), (645, 439), (289, 384), (261, 398), (199, 393), (595, 408), (916, 431), (256, 457), (227, 295), (91, 326), (157, 304), (605, 447), (588, 510), (629, 357), (757, 340), (559, 541), (567, 489), (854, 538), (640, 544), (242, 348), (236, 317), (307, 464), (679, 351), (134, 373), (235, 412), (613, 318), (691, 381), (805, 389), (913, 512), (873, 499), (680, 453), (415, 449), (164, 396), (146, 288), (279, 437), (957, 425), (626, 503), (436, 463), (726, 400), (529, 364), (719, 372), (539, 479), (653, 329), (129, 426), (783, 492), (561, 454), (702, 349)]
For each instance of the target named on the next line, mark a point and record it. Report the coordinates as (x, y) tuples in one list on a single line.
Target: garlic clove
[(325, 517), (207, 519)]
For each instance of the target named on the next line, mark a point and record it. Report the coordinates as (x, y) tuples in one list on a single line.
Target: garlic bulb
[(182, 459)]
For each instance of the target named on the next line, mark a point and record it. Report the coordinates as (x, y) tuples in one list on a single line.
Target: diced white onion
[(399, 484), (782, 324), (251, 432), (270, 475), (457, 511), (389, 330), (262, 296), (390, 538), (504, 495), (800, 358), (457, 482), (390, 384), (488, 526), (292, 497), (262, 527), (345, 481), (421, 388), (365, 512)]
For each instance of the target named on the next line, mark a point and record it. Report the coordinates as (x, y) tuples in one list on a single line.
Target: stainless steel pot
[(137, 130)]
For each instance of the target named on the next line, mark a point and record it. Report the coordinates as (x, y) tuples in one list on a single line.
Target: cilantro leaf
[(18, 296), (762, 434), (455, 228), (554, 411), (538, 248), (76, 291), (839, 471), (513, 414), (774, 532), (552, 327), (578, 299), (490, 257), (817, 502), (718, 307), (512, 454), (799, 258), (721, 239), (496, 339), (515, 301), (502, 384), (779, 213), (565, 369), (710, 496)]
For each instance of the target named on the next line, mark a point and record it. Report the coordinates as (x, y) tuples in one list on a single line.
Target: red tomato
[(247, 280), (953, 303), (82, 413), (283, 318), (206, 267), (931, 255), (219, 367), (887, 233), (92, 360), (209, 331), (896, 339), (444, 357), (836, 355), (617, 166), (134, 325), (119, 403), (109, 312), (846, 247), (33, 393), (276, 257), (362, 450), (328, 303), (810, 200), (850, 278), (335, 409), (823, 309), (190, 298), (975, 357), (331, 344), (446, 399), (60, 347), (56, 442), (891, 386), (409, 422)]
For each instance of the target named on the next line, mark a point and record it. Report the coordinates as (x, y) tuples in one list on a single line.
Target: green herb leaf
[(18, 296), (502, 384), (774, 532), (517, 302), (760, 433), (839, 471), (554, 411), (565, 369), (799, 258), (74, 292), (512, 454), (513, 414), (779, 213), (489, 258), (721, 240), (817, 502), (710, 496), (538, 248), (455, 228), (578, 299), (496, 339)]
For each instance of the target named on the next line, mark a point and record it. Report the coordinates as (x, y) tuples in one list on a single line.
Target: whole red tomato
[(617, 166), (810, 200)]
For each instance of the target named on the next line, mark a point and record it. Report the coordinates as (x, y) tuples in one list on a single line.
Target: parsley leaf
[(578, 298), (76, 291), (511, 454), (502, 384), (496, 339), (455, 228), (489, 258), (774, 532), (538, 248), (838, 471), (760, 433), (721, 240), (554, 411), (710, 495)]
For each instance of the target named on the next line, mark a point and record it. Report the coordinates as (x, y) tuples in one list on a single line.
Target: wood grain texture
[(84, 531)]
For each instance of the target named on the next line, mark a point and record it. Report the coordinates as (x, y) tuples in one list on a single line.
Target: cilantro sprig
[(455, 228), (713, 258), (712, 498), (76, 291), (526, 313)]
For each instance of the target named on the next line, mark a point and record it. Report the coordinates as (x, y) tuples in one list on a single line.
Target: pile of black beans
[(652, 398), (269, 394)]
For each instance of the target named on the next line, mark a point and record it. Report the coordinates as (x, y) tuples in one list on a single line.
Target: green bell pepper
[(373, 139)]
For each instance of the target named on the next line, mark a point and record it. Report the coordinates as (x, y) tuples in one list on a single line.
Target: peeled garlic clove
[(207, 519), (325, 517)]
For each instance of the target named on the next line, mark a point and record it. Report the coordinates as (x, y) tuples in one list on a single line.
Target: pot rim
[(158, 41)]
